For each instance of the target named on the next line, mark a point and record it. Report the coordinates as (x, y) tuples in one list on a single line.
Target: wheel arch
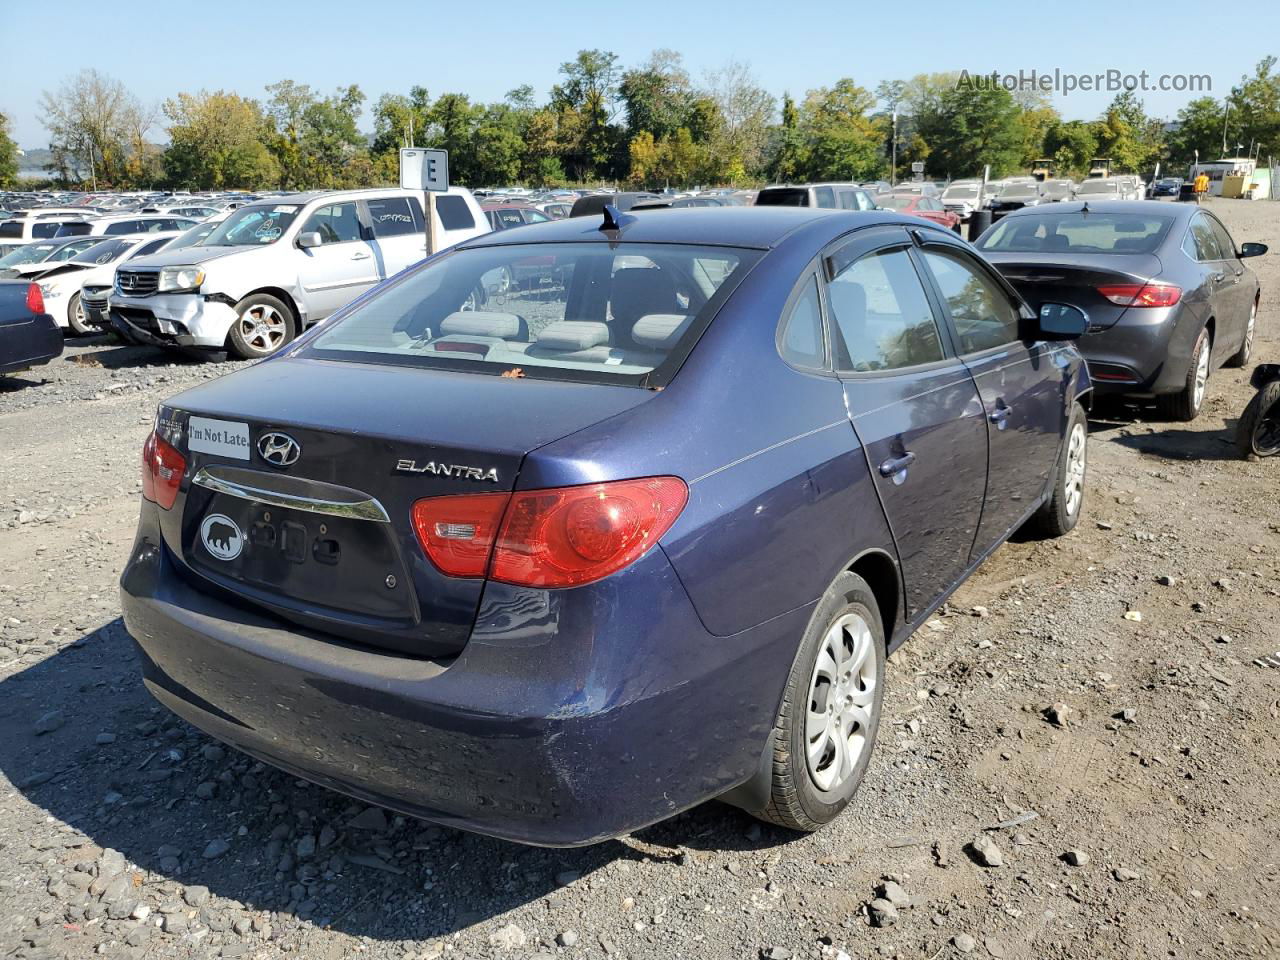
[(284, 296), (881, 573)]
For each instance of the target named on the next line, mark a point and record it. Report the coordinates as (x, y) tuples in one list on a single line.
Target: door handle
[(1000, 415), (359, 256), (896, 465), (1217, 277)]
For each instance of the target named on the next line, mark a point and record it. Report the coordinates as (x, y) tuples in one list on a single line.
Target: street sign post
[(428, 171)]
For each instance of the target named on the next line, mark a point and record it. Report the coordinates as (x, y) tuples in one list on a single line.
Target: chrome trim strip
[(369, 509)]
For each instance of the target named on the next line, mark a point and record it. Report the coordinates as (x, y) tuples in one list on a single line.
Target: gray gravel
[(125, 833)]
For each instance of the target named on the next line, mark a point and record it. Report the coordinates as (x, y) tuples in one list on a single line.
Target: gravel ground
[(1077, 758)]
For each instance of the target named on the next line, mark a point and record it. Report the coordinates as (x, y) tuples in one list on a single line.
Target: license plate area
[(310, 562)]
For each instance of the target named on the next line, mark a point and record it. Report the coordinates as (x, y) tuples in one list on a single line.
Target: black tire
[(1258, 432), (1184, 406), (1241, 356), (796, 801), (1059, 514), (75, 318), (264, 324)]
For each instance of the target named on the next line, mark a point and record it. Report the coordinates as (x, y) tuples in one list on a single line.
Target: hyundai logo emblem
[(279, 449)]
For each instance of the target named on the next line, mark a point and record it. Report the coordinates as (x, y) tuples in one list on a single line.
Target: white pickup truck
[(276, 266)]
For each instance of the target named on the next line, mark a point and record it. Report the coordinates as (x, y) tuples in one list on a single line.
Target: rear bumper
[(571, 716), (176, 319), (28, 342), (1145, 353)]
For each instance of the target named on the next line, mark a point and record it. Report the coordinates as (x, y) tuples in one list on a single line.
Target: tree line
[(650, 125)]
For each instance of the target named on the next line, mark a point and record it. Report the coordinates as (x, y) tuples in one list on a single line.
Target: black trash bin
[(979, 220)]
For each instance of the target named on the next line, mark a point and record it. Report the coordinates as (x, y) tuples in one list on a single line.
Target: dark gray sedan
[(1165, 286)]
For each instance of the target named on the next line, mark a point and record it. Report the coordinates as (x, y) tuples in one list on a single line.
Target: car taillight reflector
[(35, 299), (1142, 294), (162, 470), (559, 537)]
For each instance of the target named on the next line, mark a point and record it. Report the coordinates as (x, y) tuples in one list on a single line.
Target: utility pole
[(1226, 112)]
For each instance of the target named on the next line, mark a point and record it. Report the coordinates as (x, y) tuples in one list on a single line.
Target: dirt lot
[(1144, 823)]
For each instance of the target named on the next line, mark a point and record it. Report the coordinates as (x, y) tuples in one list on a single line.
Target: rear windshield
[(1077, 233), (624, 313), (791, 197)]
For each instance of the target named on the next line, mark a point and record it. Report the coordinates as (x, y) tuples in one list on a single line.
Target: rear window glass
[(592, 311), (1077, 233), (788, 197), (453, 212), (392, 217)]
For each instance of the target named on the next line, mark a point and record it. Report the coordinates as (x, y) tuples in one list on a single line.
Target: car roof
[(757, 227)]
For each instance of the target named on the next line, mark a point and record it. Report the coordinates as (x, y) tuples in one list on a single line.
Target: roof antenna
[(1085, 208), (615, 219)]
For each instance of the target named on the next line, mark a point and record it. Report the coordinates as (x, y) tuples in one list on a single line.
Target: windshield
[(192, 237), (1097, 186), (960, 193), (249, 226), (29, 253), (1077, 233), (106, 251), (615, 313)]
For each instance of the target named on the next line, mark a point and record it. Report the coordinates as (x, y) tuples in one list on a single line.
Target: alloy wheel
[(1202, 377), (841, 694), (1073, 483), (262, 327)]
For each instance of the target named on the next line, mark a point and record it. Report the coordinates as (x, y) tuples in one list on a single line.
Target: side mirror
[(1057, 321), (1252, 249), (309, 239)]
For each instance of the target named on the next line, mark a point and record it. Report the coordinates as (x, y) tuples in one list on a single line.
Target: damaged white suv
[(274, 267)]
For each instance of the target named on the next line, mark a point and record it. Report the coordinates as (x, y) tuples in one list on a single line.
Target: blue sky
[(485, 49)]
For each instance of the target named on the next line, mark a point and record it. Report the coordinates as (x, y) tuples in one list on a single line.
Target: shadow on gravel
[(115, 355), (1176, 444), (17, 382), (131, 776)]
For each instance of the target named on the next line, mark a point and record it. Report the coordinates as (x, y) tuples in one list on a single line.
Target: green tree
[(216, 142), (748, 112), (657, 96), (1071, 144), (1198, 127), (788, 153), (1127, 135), (90, 118), (1255, 109), (966, 127), (8, 155), (840, 140)]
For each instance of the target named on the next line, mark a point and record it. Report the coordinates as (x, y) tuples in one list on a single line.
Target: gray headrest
[(660, 330), (573, 335), (481, 323)]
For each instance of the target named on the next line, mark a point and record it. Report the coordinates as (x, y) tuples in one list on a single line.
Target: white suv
[(274, 267)]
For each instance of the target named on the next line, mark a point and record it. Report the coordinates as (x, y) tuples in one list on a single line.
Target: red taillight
[(457, 533), (162, 470), (35, 299), (561, 537), (1142, 294)]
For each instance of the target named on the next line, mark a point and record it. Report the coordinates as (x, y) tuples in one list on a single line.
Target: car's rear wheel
[(826, 727), (1061, 512), (263, 325), (1184, 406), (1241, 356), (75, 317)]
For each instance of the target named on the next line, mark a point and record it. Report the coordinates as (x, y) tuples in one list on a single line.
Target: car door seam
[(769, 448)]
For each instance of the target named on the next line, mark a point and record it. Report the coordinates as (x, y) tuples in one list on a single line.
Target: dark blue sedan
[(574, 527)]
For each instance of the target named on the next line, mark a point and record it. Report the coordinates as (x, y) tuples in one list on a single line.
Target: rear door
[(1022, 386), (343, 266), (1234, 292), (397, 233), (914, 406)]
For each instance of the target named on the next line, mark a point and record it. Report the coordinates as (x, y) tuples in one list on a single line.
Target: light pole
[(893, 157), (1226, 112)]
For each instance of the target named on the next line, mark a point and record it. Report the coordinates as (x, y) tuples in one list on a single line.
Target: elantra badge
[(221, 537), (279, 449), (459, 470)]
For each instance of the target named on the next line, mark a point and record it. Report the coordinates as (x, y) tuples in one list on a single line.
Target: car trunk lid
[(301, 476), (1043, 278)]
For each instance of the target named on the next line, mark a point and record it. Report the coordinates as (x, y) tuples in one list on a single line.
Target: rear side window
[(801, 339), (123, 227), (783, 197), (1205, 241), (42, 231), (392, 217), (824, 197), (882, 317), (981, 313), (336, 223), (11, 228), (454, 213)]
